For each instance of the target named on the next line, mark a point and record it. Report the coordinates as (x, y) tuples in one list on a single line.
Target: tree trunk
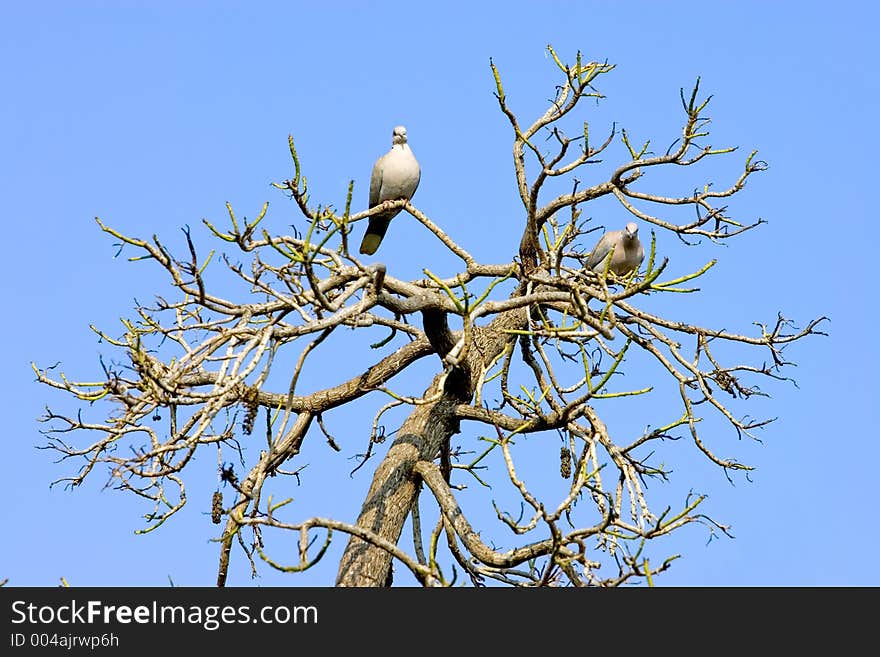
[(420, 438)]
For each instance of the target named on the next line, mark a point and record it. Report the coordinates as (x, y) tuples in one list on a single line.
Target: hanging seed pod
[(251, 408), (564, 463), (217, 507)]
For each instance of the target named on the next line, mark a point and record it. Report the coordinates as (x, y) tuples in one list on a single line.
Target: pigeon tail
[(375, 232)]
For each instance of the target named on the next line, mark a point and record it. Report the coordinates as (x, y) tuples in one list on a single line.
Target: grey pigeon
[(628, 251), (395, 176)]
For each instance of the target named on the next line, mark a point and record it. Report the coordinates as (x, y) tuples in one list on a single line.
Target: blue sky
[(154, 115)]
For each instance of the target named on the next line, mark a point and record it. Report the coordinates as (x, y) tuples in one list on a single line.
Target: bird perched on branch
[(395, 176), (627, 254)]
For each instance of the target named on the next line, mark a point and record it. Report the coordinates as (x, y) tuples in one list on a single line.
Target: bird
[(628, 251), (395, 176)]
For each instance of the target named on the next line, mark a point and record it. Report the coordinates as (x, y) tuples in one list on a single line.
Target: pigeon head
[(398, 135), (631, 230)]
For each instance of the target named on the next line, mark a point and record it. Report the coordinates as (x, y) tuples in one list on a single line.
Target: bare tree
[(542, 340)]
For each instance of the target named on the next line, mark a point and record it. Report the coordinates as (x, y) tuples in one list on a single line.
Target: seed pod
[(564, 463), (216, 507), (251, 397)]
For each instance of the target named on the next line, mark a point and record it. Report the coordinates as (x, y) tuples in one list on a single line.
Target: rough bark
[(395, 483)]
